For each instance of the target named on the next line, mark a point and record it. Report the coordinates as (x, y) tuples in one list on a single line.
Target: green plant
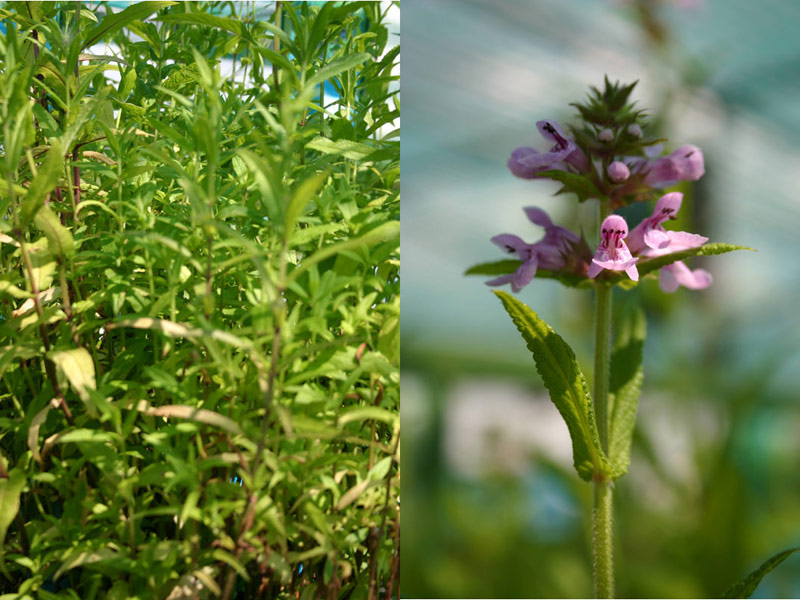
[(199, 281)]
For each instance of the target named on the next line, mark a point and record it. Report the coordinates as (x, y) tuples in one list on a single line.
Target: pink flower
[(612, 253), (677, 274), (526, 162), (684, 164), (618, 171), (650, 239), (548, 253)]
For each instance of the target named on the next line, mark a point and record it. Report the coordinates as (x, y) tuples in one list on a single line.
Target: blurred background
[(491, 504)]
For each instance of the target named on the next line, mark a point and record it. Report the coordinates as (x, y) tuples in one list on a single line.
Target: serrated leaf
[(573, 183), (78, 366), (625, 386), (556, 363), (505, 267), (181, 76), (59, 238), (654, 264), (499, 267), (46, 179), (112, 22), (748, 585)]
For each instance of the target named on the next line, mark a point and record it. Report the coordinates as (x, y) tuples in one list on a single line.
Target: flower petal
[(502, 280), (510, 243), (656, 238), (524, 274), (684, 164), (677, 274), (538, 217)]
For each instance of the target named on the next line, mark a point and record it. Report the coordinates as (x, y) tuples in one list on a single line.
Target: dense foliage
[(199, 279)]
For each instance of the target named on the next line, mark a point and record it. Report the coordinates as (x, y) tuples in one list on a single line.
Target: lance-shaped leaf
[(302, 196), (59, 238), (112, 22), (556, 363), (44, 182), (646, 266), (78, 366), (748, 585), (625, 386), (200, 415), (10, 489), (507, 266)]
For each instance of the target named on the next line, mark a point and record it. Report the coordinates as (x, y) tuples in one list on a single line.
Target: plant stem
[(602, 531), (602, 339), (602, 538)]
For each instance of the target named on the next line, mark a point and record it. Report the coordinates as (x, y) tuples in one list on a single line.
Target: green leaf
[(80, 557), (505, 267), (382, 233), (78, 366), (302, 196), (499, 267), (112, 22), (648, 266), (654, 264), (625, 386), (573, 183), (277, 60), (199, 415), (748, 585), (46, 179), (181, 77), (10, 490), (231, 25), (335, 67), (556, 363), (365, 413), (346, 148), (59, 238)]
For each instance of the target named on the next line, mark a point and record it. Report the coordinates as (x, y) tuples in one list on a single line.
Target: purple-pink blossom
[(548, 253), (527, 162), (618, 171), (684, 164), (612, 252), (650, 239)]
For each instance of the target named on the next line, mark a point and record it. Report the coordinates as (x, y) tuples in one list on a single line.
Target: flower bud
[(605, 135), (634, 130), (618, 171)]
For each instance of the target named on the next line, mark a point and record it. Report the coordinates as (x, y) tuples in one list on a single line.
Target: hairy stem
[(602, 537), (602, 339)]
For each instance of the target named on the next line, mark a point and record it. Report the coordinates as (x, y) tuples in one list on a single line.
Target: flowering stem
[(602, 533)]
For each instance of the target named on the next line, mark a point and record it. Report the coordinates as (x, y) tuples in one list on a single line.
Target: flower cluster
[(619, 250), (607, 157)]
